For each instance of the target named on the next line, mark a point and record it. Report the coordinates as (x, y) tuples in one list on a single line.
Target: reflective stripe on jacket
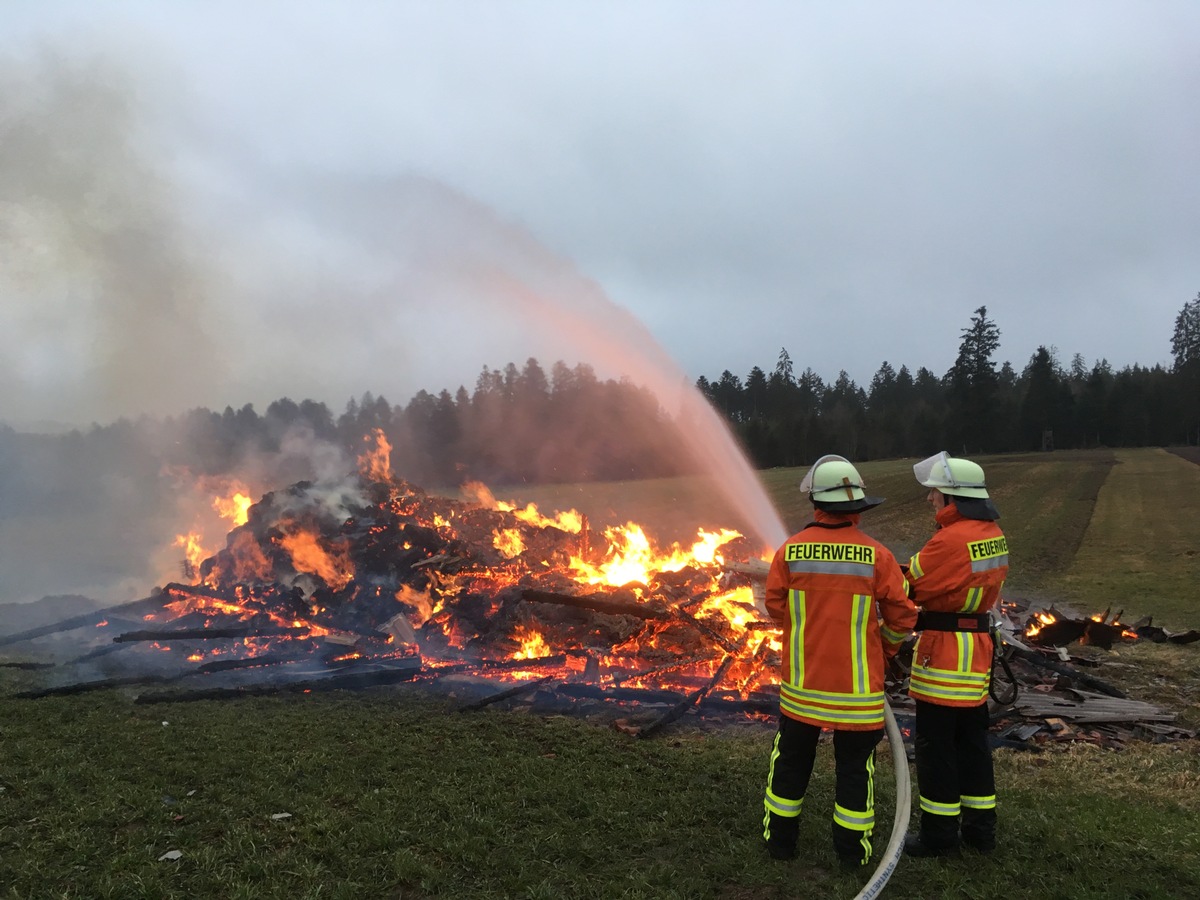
[(961, 569), (827, 586)]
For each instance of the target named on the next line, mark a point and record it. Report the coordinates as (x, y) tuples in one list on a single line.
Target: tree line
[(569, 425), (978, 406)]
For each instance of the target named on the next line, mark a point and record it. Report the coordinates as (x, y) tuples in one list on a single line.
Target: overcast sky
[(226, 203)]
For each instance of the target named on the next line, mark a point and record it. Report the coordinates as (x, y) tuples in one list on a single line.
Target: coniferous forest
[(567, 425)]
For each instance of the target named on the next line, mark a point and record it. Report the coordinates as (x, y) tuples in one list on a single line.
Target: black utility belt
[(949, 621)]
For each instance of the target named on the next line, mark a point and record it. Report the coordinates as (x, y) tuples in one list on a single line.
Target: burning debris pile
[(375, 581)]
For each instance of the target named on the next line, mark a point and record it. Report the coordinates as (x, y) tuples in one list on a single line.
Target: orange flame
[(194, 554), (236, 508), (332, 567), (376, 462), (570, 521), (509, 542), (632, 557), (533, 645)]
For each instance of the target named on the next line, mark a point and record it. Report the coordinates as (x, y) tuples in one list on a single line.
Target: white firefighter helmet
[(834, 483), (950, 475)]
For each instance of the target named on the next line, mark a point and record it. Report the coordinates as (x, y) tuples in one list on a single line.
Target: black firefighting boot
[(938, 836), (781, 834), (979, 829)]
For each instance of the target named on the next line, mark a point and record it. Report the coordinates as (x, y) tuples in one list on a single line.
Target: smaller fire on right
[(1054, 628)]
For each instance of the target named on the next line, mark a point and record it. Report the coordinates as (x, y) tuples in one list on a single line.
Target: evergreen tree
[(1185, 341), (1185, 348), (1046, 404), (974, 387), (756, 393)]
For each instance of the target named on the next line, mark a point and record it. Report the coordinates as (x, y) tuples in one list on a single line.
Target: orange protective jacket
[(961, 569), (827, 587)]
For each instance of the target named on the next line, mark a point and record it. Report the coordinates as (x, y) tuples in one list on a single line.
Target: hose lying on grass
[(895, 847)]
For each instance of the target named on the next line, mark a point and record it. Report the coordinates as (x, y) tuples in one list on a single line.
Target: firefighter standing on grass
[(956, 579), (827, 587)]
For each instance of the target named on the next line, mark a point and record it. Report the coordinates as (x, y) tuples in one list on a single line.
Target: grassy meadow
[(393, 793)]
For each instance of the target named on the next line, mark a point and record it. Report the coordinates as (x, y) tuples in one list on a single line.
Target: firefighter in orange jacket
[(827, 586), (956, 579)]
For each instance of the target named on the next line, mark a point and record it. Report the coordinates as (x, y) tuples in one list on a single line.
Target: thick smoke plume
[(121, 280), (105, 299)]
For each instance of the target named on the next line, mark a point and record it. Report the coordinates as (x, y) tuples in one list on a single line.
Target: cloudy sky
[(223, 203)]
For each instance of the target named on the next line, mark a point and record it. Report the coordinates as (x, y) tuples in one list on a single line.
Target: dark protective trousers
[(792, 759), (955, 776)]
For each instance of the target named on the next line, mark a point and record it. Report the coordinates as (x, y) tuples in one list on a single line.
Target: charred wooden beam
[(516, 690), (202, 634), (347, 681), (656, 672), (225, 665), (748, 705), (619, 694), (595, 604), (755, 568), (682, 707), (195, 590), (536, 662), (87, 620)]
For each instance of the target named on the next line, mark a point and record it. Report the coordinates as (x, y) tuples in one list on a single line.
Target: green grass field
[(391, 793)]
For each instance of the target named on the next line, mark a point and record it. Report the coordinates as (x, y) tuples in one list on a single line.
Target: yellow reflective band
[(892, 637), (830, 698), (787, 808), (939, 809), (827, 716), (950, 675), (914, 566), (853, 819), (920, 690), (799, 615), (978, 802), (871, 782), (858, 643), (811, 550), (939, 684), (966, 650), (974, 599)]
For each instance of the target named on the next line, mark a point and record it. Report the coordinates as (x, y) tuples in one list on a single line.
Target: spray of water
[(469, 260)]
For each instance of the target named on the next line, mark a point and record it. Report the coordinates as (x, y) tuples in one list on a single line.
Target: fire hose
[(895, 847)]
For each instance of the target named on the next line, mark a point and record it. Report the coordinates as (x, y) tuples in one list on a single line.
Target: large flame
[(410, 573)]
